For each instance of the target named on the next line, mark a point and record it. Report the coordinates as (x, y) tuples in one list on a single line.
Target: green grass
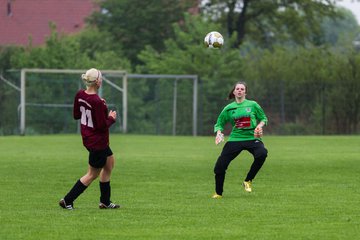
[(309, 188)]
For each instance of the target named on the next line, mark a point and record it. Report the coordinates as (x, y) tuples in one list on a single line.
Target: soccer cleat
[(216, 196), (110, 206), (62, 204), (247, 186)]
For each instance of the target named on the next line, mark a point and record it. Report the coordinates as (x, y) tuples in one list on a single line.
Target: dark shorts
[(97, 158)]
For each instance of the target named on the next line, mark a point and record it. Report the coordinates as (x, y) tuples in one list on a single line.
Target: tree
[(344, 97), (340, 31), (136, 23), (260, 21), (84, 50)]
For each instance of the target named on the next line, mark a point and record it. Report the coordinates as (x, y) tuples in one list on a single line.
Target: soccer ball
[(214, 40)]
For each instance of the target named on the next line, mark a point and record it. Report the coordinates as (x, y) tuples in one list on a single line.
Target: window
[(9, 11)]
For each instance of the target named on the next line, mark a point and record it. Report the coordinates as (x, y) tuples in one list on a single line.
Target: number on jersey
[(86, 118)]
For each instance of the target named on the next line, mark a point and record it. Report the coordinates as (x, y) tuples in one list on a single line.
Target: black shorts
[(97, 158)]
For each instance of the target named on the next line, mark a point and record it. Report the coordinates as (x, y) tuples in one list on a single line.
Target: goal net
[(146, 104), (47, 99)]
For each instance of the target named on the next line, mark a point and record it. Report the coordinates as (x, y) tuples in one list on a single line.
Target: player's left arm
[(111, 115), (104, 119), (261, 119)]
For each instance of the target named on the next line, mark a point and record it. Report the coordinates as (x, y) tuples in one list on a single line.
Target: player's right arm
[(219, 137), (76, 109), (219, 126)]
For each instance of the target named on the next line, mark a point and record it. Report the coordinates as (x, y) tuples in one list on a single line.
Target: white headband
[(91, 76)]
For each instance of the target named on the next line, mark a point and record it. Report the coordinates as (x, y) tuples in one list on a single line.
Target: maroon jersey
[(95, 122)]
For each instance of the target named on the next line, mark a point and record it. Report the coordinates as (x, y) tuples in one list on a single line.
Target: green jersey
[(243, 117)]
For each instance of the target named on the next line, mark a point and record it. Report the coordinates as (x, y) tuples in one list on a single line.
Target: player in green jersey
[(247, 119)]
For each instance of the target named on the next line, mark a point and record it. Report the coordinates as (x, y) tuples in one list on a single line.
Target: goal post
[(23, 79), (159, 104), (176, 78)]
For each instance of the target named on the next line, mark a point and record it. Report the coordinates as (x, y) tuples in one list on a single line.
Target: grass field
[(309, 188)]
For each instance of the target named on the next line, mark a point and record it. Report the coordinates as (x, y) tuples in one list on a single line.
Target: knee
[(91, 176), (88, 178), (261, 154)]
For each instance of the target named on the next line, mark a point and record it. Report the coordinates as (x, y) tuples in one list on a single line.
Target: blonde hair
[(91, 77)]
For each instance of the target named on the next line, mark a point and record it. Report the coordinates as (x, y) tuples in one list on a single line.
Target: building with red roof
[(22, 20)]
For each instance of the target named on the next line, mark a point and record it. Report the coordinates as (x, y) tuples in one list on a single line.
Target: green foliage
[(9, 97), (340, 31), (58, 53), (164, 186), (70, 52), (9, 102), (136, 23), (5, 57), (344, 96), (91, 41), (266, 21)]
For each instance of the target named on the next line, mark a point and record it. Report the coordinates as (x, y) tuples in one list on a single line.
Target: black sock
[(76, 190), (105, 191)]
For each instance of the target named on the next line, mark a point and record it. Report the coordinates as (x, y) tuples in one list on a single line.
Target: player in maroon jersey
[(95, 123)]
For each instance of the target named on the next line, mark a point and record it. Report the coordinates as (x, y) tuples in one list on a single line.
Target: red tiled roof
[(20, 19)]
